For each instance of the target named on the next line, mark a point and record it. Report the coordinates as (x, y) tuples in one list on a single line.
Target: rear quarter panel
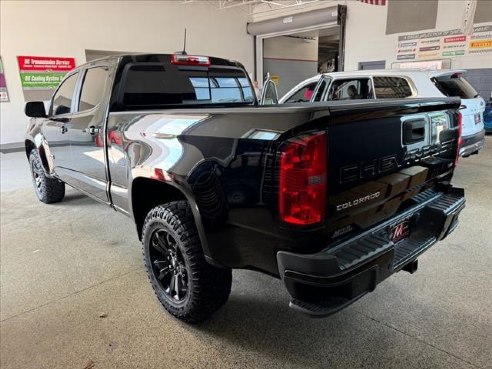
[(228, 174)]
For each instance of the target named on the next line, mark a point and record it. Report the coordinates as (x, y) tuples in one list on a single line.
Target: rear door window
[(304, 94), (350, 89), (455, 85), (93, 88), (391, 87)]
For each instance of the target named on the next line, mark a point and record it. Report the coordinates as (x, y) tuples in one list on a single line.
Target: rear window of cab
[(165, 81), (157, 85)]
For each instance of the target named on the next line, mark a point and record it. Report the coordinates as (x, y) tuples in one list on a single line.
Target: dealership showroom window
[(246, 184)]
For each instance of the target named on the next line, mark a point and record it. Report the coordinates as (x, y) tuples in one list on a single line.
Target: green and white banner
[(41, 75)]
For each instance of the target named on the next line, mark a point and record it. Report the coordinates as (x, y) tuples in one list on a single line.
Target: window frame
[(74, 96), (328, 81), (81, 85), (266, 88)]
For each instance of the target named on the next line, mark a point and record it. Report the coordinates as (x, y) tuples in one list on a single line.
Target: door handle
[(92, 130), (63, 129)]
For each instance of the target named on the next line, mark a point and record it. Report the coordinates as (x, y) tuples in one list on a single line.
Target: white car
[(380, 84)]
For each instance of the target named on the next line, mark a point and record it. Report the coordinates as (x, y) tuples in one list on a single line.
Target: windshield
[(455, 85), (157, 85), (304, 94)]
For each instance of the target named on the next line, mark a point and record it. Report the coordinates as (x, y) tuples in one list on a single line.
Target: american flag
[(373, 2)]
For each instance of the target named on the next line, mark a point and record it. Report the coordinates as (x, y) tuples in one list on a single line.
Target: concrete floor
[(64, 266)]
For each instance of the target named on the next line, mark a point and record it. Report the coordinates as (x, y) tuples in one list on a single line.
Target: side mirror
[(35, 109)]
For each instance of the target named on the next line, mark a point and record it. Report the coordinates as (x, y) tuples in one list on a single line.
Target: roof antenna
[(184, 46)]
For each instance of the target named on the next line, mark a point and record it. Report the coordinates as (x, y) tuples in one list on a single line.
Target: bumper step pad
[(324, 283), (443, 210), (360, 250), (409, 249)]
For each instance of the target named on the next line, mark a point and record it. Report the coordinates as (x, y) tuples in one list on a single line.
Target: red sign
[(40, 63), (455, 39)]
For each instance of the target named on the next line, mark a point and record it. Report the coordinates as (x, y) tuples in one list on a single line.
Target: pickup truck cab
[(400, 83), (332, 198)]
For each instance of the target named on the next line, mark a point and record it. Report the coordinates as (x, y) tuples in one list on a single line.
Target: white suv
[(380, 84)]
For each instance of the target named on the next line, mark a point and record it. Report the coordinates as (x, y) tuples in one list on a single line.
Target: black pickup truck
[(332, 198)]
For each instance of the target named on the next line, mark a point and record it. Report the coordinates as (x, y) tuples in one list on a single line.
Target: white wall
[(366, 39), (67, 28)]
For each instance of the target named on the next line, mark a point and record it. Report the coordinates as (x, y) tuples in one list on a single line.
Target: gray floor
[(64, 266)]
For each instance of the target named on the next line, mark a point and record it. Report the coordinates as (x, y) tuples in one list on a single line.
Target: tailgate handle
[(413, 131)]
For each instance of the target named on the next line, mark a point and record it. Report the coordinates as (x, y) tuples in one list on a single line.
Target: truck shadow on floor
[(75, 197), (257, 319), (269, 328)]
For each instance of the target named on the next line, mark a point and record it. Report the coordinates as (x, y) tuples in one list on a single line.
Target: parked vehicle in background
[(487, 116), (453, 83), (401, 83), (332, 199)]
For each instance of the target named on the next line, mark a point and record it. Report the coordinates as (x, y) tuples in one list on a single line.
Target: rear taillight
[(303, 173), (460, 138)]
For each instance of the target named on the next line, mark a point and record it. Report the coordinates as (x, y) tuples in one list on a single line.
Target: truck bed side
[(225, 162)]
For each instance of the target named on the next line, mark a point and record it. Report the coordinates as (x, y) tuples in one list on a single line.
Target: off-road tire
[(208, 287), (48, 190)]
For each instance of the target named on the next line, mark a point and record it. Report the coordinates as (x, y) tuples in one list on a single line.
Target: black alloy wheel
[(168, 265), (186, 285)]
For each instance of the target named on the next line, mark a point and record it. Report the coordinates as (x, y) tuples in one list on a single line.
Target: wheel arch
[(29, 146), (147, 193)]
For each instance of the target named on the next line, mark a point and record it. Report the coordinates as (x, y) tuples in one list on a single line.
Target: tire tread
[(211, 285), (53, 189)]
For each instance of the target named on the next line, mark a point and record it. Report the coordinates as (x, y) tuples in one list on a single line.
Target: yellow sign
[(482, 44), (275, 79), (428, 55)]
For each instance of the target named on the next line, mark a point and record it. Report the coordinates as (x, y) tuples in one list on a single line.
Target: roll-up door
[(294, 22)]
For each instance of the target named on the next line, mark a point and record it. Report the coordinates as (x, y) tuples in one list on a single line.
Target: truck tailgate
[(377, 165)]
